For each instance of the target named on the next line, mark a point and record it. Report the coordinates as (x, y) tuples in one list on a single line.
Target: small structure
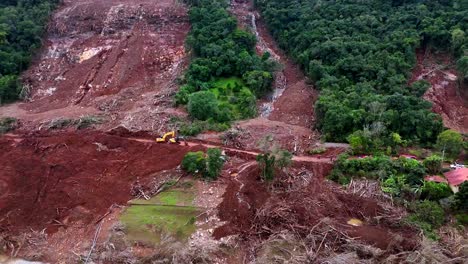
[(456, 177), (408, 156)]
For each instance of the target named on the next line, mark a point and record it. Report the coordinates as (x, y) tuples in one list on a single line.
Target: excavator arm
[(170, 136)]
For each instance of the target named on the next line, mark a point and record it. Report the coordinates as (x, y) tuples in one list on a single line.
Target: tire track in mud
[(242, 184)]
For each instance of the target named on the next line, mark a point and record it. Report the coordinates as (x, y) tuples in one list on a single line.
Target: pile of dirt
[(446, 91), (257, 213), (52, 180)]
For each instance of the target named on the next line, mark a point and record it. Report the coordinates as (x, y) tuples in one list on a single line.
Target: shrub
[(8, 88), (433, 164), (60, 123), (203, 105), (7, 124), (429, 212), (258, 81), (208, 166), (462, 218), (87, 121), (215, 162), (318, 150), (194, 162), (435, 191), (461, 198)]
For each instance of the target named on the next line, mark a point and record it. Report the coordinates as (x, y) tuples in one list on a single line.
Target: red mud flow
[(48, 179), (448, 98)]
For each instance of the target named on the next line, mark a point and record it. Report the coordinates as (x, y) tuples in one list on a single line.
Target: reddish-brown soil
[(244, 195), (446, 91), (296, 105), (251, 210), (47, 178)]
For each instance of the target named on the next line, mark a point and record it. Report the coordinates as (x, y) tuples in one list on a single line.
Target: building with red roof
[(456, 177)]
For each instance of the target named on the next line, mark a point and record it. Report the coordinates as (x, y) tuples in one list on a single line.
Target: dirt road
[(244, 153)]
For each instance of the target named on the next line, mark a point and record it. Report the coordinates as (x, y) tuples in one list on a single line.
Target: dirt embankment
[(116, 58), (49, 180), (445, 92), (301, 203)]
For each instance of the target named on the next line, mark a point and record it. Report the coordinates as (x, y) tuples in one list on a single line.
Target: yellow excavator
[(170, 137)]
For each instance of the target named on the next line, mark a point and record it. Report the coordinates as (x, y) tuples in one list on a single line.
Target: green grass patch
[(232, 93), (151, 223), (168, 214)]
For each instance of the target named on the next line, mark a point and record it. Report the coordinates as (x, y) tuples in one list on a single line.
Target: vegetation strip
[(22, 24), (225, 77)]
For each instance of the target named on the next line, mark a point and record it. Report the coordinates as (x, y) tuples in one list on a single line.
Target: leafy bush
[(203, 105), (462, 218), (60, 123), (429, 212), (435, 191), (88, 121), (196, 127), (461, 198), (215, 162), (318, 150), (208, 166), (259, 82), (7, 124), (194, 162), (433, 164)]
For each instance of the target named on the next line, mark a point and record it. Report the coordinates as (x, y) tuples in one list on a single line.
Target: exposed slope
[(439, 70), (118, 57)]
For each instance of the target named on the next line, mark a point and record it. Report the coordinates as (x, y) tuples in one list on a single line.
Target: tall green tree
[(450, 143)]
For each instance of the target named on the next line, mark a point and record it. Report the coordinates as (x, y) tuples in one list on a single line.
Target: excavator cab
[(170, 137)]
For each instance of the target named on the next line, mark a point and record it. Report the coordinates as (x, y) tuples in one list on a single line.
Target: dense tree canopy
[(360, 52), (222, 50), (22, 24)]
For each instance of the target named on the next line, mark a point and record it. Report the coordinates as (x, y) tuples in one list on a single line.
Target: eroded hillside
[(117, 58)]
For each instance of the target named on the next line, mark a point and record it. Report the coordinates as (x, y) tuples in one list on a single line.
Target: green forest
[(225, 76), (360, 54), (22, 24)]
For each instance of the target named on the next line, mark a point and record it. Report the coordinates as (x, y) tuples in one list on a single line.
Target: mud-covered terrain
[(114, 58), (445, 91), (88, 196)]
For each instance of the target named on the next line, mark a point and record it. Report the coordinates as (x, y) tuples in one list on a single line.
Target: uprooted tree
[(272, 158)]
